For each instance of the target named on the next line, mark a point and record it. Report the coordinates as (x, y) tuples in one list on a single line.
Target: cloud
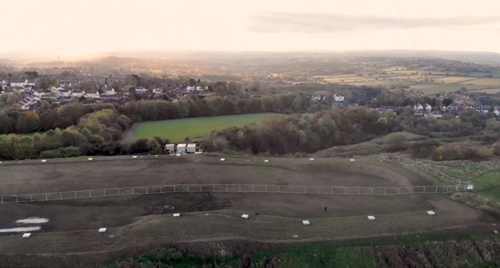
[(311, 23)]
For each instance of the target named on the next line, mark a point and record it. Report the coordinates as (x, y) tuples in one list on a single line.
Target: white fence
[(227, 188)]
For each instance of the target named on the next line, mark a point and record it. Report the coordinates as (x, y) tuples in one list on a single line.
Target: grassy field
[(177, 130), (451, 80), (484, 82), (489, 90), (470, 250), (488, 185)]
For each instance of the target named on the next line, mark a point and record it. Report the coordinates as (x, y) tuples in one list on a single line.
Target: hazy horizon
[(77, 28)]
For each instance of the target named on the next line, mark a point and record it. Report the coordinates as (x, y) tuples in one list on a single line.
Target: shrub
[(62, 152), (422, 149), (396, 142), (496, 149)]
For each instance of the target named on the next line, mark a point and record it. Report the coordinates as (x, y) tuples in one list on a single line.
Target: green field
[(179, 129), (488, 185), (484, 82), (437, 88)]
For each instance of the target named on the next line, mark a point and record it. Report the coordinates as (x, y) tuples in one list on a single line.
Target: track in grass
[(177, 130)]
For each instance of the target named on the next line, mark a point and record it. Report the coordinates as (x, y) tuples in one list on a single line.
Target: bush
[(396, 142), (422, 149), (496, 149), (62, 152)]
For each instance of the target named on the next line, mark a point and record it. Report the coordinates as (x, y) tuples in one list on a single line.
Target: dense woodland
[(75, 130)]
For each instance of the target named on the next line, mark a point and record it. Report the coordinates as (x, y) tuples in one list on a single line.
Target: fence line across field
[(227, 188)]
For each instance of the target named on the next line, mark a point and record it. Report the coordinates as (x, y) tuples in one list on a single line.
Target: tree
[(53, 82), (384, 98), (43, 84), (12, 98), (28, 123), (192, 82), (447, 102)]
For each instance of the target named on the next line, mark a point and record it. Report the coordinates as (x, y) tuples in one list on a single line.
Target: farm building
[(181, 147), (169, 147), (191, 148)]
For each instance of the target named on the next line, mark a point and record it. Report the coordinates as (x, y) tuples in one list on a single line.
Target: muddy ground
[(136, 223)]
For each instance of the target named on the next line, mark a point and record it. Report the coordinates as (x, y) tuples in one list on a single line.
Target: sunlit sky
[(75, 26)]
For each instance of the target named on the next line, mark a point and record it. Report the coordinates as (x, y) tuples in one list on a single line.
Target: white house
[(31, 82), (18, 83), (140, 89), (418, 107), (77, 93), (108, 91), (93, 94), (338, 98), (38, 94), (428, 108), (157, 91), (437, 114), (64, 93), (496, 110), (190, 88)]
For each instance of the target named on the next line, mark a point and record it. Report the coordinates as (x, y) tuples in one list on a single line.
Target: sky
[(77, 27)]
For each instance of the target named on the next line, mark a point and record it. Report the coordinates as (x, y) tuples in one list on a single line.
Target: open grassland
[(484, 82), (494, 73), (451, 80), (488, 185), (179, 129), (433, 250), (138, 223)]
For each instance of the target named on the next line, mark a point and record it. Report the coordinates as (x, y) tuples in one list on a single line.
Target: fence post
[(2, 198), (213, 185), (147, 189), (436, 189), (385, 192), (46, 199), (279, 189), (31, 198), (161, 190), (265, 189), (425, 189), (188, 188), (75, 195), (60, 195), (331, 190), (318, 189), (227, 188), (104, 192), (399, 188), (90, 193), (358, 190), (291, 190), (345, 190), (412, 189), (133, 192), (174, 188), (252, 189), (17, 201)]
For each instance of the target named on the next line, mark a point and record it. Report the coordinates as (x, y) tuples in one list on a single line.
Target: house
[(64, 93), (418, 107), (157, 91), (437, 114), (31, 82), (338, 98), (92, 94), (190, 88), (428, 108), (88, 102), (496, 110), (77, 93), (112, 97), (108, 91), (18, 83), (38, 94), (140, 89)]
